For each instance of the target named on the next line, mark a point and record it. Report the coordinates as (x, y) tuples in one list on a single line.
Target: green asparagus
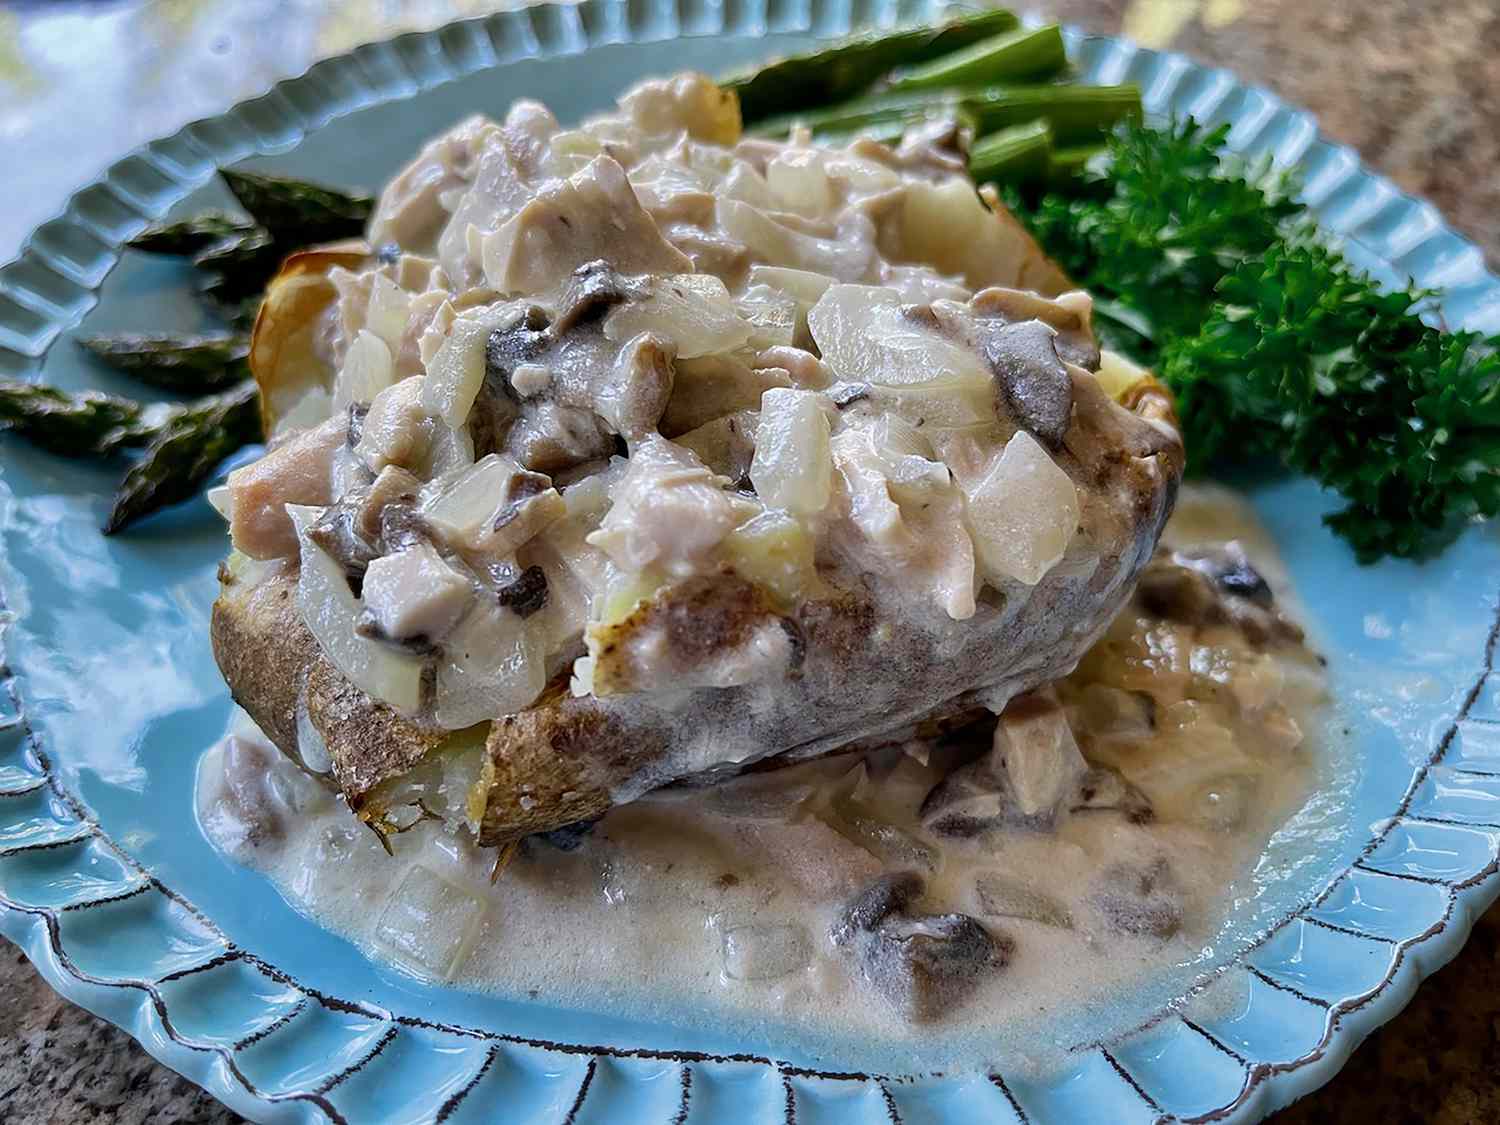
[(191, 364), (1018, 56), (1021, 154), (844, 69), (1075, 113), (85, 423), (185, 453), (296, 212), (861, 114), (190, 235), (236, 273)]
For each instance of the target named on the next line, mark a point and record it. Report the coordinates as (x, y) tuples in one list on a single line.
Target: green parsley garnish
[(1275, 346)]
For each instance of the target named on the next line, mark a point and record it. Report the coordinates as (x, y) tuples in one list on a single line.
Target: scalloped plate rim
[(138, 1006)]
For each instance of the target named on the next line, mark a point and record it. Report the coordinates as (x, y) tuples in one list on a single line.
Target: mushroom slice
[(924, 965)]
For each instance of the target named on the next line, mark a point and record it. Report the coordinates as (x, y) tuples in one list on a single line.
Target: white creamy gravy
[(720, 901)]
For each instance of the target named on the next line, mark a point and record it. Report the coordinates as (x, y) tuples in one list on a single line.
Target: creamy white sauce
[(720, 902)]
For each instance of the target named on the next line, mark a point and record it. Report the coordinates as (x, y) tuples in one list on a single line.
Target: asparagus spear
[(238, 269), (1018, 155), (844, 69), (185, 452), (1017, 56), (190, 235), (192, 364), (296, 212), (869, 113), (1075, 113), (88, 423)]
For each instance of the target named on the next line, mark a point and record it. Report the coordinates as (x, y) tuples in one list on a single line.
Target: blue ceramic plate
[(108, 885)]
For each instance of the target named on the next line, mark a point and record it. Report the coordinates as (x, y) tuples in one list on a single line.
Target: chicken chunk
[(297, 471)]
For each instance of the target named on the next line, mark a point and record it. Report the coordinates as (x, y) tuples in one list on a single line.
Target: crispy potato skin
[(263, 650), (270, 660)]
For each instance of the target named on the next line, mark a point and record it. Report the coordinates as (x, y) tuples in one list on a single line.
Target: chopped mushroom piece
[(1140, 900), (793, 467), (1069, 314), (925, 965), (1032, 382), (591, 215)]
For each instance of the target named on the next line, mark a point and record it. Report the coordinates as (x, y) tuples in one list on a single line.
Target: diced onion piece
[(747, 185), (773, 316), (775, 242), (311, 747), (799, 182), (940, 406), (947, 226), (906, 459), (692, 310), (867, 177), (492, 665), (366, 372), (1117, 374), (575, 145), (386, 313), (330, 610), (460, 507), (1023, 513), (864, 335), (792, 468), (480, 509), (456, 372), (219, 497), (449, 448), (802, 286), (561, 621), (776, 551)]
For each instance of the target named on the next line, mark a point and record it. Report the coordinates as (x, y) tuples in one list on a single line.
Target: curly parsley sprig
[(1275, 345)]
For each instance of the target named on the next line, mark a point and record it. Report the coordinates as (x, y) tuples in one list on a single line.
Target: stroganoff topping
[(766, 371)]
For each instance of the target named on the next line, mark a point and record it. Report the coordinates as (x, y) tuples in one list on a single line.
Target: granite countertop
[(1413, 84)]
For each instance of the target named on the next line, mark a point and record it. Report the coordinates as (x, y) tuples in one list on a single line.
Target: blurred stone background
[(1414, 85)]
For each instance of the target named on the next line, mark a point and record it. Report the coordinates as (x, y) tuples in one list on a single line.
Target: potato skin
[(263, 650), (270, 659)]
